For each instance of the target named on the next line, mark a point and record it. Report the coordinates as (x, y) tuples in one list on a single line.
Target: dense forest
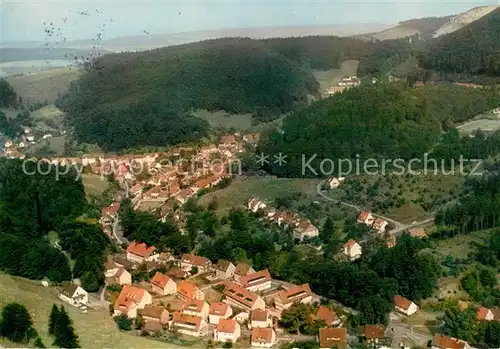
[(8, 97), (478, 210), (387, 55), (472, 49), (32, 204), (144, 98), (391, 121)]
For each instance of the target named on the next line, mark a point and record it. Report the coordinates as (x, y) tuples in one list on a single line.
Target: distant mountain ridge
[(464, 19), (13, 51)]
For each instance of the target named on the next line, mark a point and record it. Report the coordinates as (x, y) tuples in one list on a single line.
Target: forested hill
[(39, 206), (474, 49), (143, 98), (391, 121)]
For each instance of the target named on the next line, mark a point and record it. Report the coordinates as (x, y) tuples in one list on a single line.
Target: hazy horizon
[(76, 20)]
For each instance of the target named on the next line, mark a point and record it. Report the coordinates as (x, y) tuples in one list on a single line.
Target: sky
[(24, 20)]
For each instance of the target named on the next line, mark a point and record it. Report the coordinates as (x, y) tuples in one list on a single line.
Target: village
[(220, 301)]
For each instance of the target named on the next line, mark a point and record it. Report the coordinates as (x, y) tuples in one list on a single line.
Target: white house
[(352, 250), (365, 217), (254, 205), (228, 330), (163, 285), (258, 281), (335, 182), (130, 300), (74, 295), (196, 307), (189, 325), (296, 294), (379, 225), (260, 319), (224, 269), (263, 337), (218, 311), (404, 305), (140, 253)]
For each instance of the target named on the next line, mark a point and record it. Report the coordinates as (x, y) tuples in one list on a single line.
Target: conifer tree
[(65, 336), (53, 319)]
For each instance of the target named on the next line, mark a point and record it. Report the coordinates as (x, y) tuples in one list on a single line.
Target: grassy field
[(403, 198), (265, 189), (44, 85), (54, 144), (327, 78), (94, 185), (222, 119), (96, 329), (461, 245)]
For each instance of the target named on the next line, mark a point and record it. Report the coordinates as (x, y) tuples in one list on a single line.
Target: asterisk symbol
[(261, 159), (280, 159)]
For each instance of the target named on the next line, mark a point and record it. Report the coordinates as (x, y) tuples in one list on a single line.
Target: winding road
[(399, 227)]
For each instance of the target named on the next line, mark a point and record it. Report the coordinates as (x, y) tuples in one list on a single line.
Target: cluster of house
[(14, 148), (248, 299), (302, 227), (377, 224)]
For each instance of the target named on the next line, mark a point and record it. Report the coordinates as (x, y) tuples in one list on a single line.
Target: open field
[(222, 119), (486, 125), (54, 145), (240, 191), (96, 329), (44, 85), (402, 198), (461, 245), (94, 184), (327, 78)]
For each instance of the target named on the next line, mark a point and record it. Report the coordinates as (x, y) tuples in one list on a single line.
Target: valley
[(261, 190)]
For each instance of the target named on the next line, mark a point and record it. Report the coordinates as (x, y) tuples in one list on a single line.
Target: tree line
[(376, 121)]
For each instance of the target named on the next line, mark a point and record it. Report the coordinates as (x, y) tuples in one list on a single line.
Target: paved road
[(399, 227)]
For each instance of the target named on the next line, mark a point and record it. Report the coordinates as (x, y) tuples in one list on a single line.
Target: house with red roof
[(404, 305), (373, 334), (163, 285), (140, 253), (365, 217), (258, 281), (328, 316), (263, 337), (196, 307), (260, 318), (130, 300), (189, 325), (333, 337), (296, 294), (187, 290), (352, 250), (188, 261), (379, 225), (227, 331), (241, 298), (218, 311), (484, 314), (440, 341)]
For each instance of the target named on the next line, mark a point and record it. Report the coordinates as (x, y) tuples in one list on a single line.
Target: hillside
[(457, 22), (378, 121), (423, 27), (473, 49), (144, 98)]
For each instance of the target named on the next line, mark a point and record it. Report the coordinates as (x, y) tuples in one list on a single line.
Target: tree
[(123, 322), (460, 324), (65, 336), (90, 282), (213, 204), (139, 322), (15, 322), (38, 343), (294, 318), (194, 270), (53, 319), (328, 230)]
